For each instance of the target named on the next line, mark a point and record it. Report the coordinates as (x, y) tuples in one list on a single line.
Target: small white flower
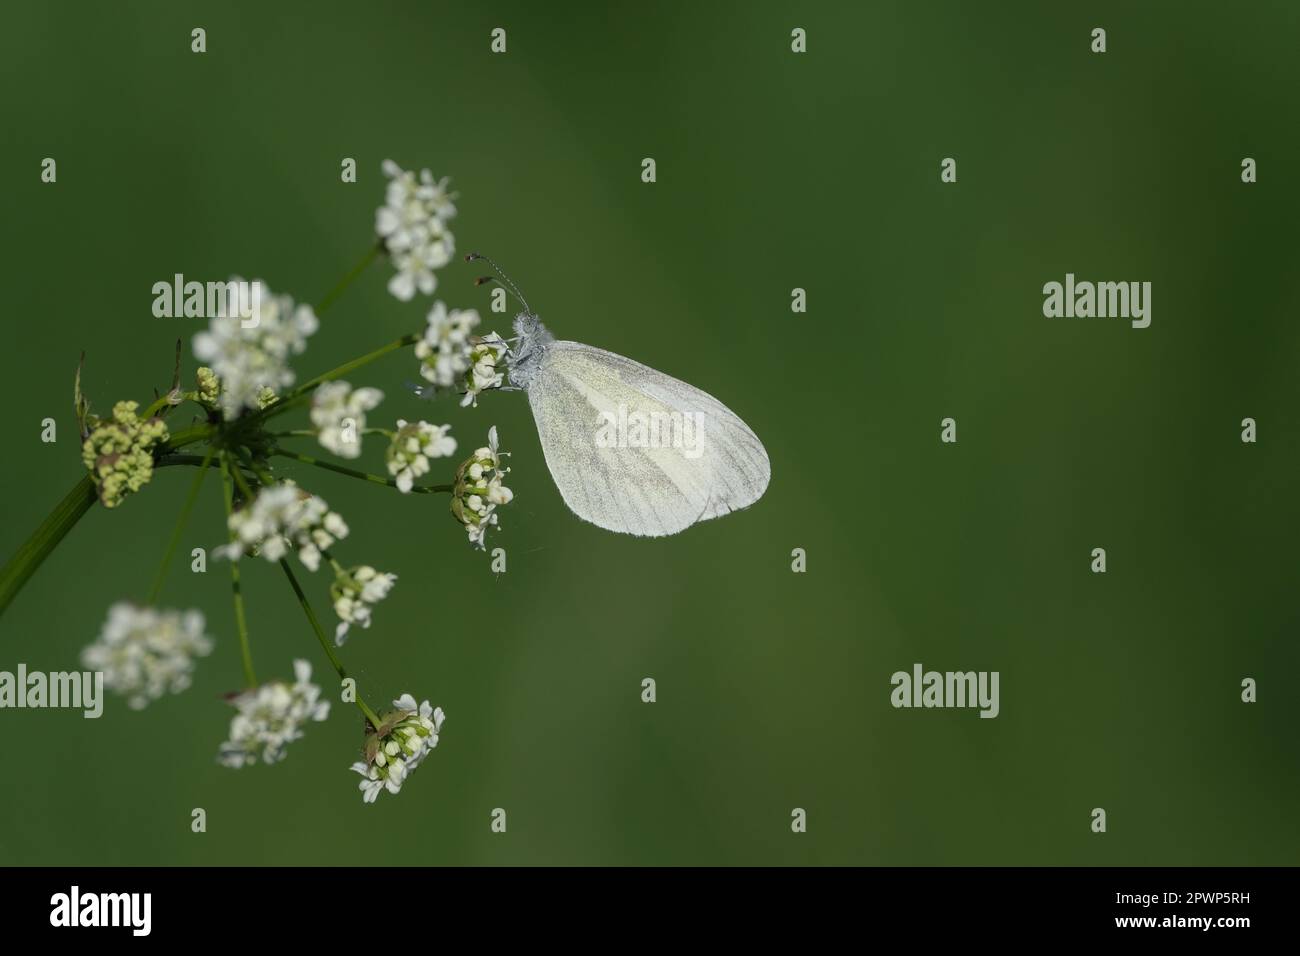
[(280, 517), (413, 226), (483, 373), (396, 748), (249, 357), (410, 206), (145, 653), (271, 717), (444, 352), (412, 447), (436, 196), (339, 413), (479, 490), (371, 785), (415, 270), (354, 592)]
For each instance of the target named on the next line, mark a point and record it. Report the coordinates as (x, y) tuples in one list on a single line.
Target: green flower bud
[(118, 452), (209, 385)]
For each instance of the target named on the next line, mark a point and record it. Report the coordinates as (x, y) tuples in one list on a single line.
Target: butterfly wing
[(700, 463)]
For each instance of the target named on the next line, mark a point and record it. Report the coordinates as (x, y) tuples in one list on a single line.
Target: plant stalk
[(45, 539), (324, 641), (353, 473), (241, 622)]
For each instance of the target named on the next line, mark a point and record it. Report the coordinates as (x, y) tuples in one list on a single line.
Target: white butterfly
[(632, 449)]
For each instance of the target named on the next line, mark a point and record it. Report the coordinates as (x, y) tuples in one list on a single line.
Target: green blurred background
[(775, 170)]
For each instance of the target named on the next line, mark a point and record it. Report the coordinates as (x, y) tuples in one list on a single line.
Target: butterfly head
[(531, 337), (529, 345)]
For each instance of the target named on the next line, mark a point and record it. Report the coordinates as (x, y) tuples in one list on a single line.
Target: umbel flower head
[(280, 517), (484, 357), (413, 445), (250, 353), (339, 413), (270, 717), (145, 653), (444, 350), (118, 452), (354, 592), (479, 490), (403, 739), (412, 223)]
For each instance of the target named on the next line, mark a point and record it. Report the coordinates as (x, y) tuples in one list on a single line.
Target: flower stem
[(44, 539), (409, 339), (324, 641), (187, 436), (347, 280), (158, 405), (263, 476), (241, 622), (195, 485), (178, 459), (299, 395), (353, 473), (313, 433)]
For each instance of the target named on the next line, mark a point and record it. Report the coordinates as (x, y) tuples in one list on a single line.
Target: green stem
[(194, 397), (167, 460), (44, 539), (186, 436), (347, 367), (240, 480), (353, 473), (241, 622), (299, 395), (264, 477), (195, 485), (158, 404), (324, 641), (312, 433), (347, 280)]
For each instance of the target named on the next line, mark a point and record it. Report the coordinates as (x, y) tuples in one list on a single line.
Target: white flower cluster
[(483, 374), (444, 350), (339, 413), (270, 717), (247, 360), (479, 490), (144, 652), (354, 592), (280, 517), (398, 747), (412, 223), (412, 447)]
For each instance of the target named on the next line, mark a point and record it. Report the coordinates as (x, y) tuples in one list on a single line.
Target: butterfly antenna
[(505, 279)]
